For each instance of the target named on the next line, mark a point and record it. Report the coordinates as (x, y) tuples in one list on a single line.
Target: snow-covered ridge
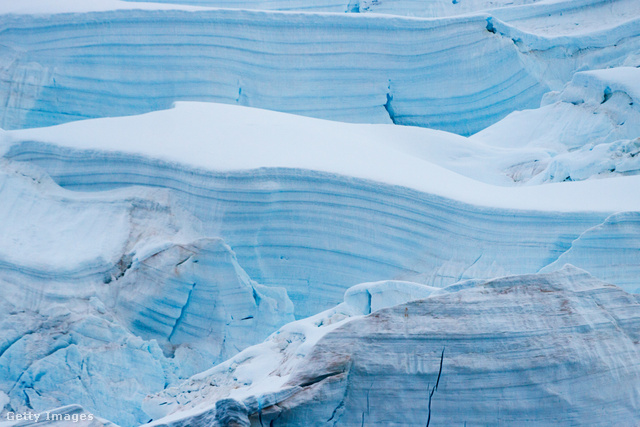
[(589, 129), (222, 138), (565, 342), (459, 74)]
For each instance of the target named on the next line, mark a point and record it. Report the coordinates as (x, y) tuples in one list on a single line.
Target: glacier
[(202, 259), (70, 315), (588, 129), (565, 339), (287, 212), (64, 66)]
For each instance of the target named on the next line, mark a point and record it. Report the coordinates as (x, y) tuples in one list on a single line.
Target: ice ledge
[(563, 333), (235, 138)]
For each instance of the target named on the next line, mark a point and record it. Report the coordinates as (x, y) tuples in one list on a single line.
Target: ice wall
[(518, 350), (457, 74)]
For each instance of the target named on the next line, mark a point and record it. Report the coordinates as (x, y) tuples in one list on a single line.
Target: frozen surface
[(80, 272), (290, 195), (228, 139), (553, 16), (566, 341), (195, 232), (195, 263), (458, 74), (591, 128)]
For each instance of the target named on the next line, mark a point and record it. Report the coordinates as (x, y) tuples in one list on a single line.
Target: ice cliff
[(58, 67), (525, 350), (183, 255), (172, 255)]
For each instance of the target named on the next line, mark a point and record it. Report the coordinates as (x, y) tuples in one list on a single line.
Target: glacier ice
[(525, 350), (588, 129), (459, 74), (79, 356), (285, 223), (198, 299), (200, 259), (165, 260), (69, 314)]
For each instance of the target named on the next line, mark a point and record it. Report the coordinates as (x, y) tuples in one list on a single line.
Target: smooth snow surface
[(231, 138)]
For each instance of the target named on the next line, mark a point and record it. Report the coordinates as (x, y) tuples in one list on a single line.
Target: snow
[(45, 7), (31, 218), (231, 138), (370, 297), (589, 129)]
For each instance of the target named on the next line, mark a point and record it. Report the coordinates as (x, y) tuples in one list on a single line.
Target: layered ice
[(192, 237), (554, 348), (107, 294), (77, 353), (205, 306), (168, 254), (291, 206), (458, 74)]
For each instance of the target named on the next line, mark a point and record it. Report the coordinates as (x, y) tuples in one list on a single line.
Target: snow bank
[(226, 138)]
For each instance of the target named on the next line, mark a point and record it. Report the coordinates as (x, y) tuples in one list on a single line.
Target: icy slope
[(589, 129), (459, 74), (556, 15), (598, 245), (433, 8), (218, 138), (567, 354)]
